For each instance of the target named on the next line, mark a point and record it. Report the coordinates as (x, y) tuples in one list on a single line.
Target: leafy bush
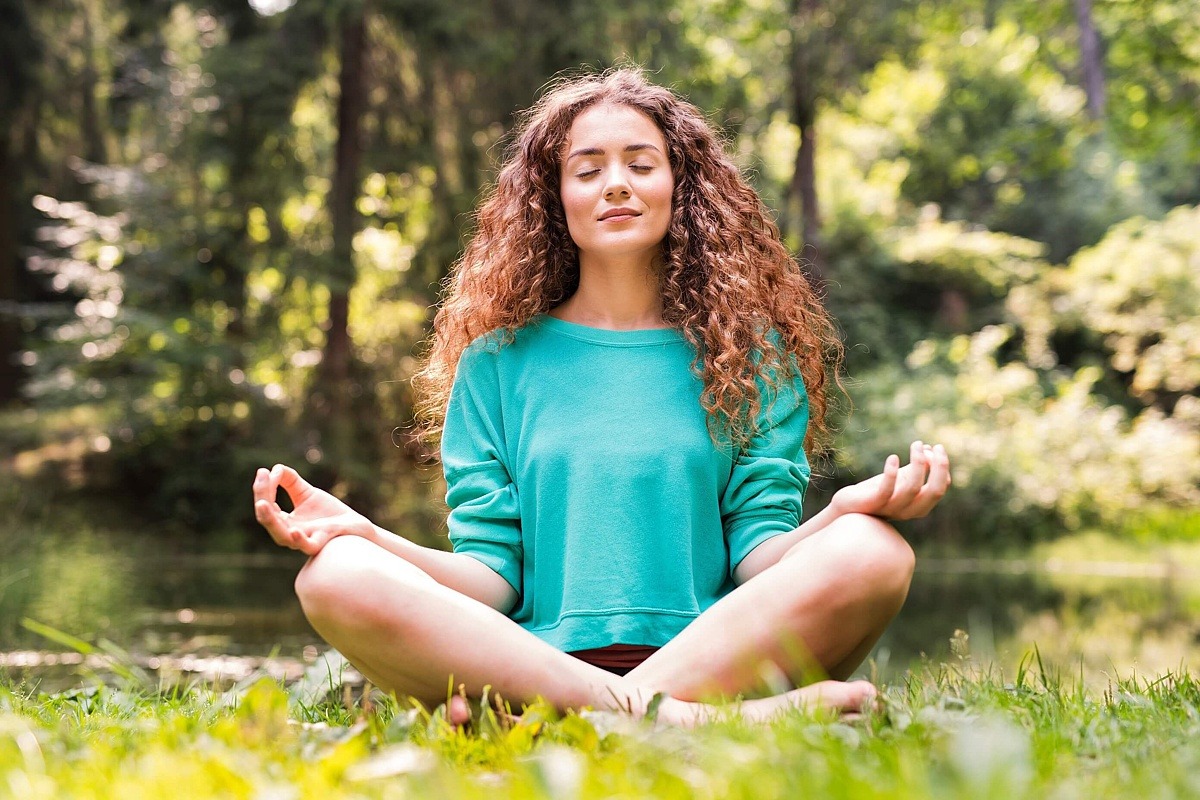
[(1137, 291), (1035, 452)]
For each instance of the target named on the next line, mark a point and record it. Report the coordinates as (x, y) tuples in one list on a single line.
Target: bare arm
[(895, 493), (318, 517), (456, 571)]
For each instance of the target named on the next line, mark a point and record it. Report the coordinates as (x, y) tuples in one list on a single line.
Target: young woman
[(624, 375)]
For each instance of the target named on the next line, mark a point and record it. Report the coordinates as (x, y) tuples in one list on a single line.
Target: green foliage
[(1151, 66), (146, 340), (1004, 149), (179, 278), (1138, 291), (897, 286)]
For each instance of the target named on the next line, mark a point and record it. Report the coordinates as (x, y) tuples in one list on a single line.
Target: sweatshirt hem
[(586, 630)]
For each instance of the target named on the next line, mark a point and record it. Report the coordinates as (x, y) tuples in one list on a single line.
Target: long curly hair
[(728, 282)]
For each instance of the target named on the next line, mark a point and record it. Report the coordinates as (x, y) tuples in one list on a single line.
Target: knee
[(874, 555), (335, 582)]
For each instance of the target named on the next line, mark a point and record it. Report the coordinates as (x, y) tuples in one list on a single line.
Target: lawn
[(948, 730)]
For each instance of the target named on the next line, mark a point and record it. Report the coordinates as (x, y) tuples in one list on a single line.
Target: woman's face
[(616, 183)]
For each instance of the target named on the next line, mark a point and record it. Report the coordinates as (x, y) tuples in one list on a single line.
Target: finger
[(310, 537), (273, 487), (296, 487), (945, 457), (269, 516), (939, 471), (314, 541), (262, 482), (935, 486), (911, 477), (283, 529), (887, 481)]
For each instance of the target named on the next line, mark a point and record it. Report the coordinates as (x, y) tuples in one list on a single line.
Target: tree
[(19, 49), (331, 392), (808, 52), (1090, 60), (833, 45)]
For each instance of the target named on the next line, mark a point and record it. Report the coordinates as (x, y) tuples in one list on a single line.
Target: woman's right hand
[(317, 516)]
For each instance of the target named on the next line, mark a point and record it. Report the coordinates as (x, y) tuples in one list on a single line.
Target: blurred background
[(224, 224)]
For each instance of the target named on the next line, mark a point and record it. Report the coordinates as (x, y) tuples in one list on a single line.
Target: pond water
[(221, 617)]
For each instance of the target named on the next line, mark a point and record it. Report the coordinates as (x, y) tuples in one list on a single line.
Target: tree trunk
[(10, 332), (1090, 60), (334, 388), (95, 149), (444, 95), (989, 14), (806, 52), (348, 157)]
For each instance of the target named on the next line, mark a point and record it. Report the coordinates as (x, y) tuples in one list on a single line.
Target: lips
[(619, 214)]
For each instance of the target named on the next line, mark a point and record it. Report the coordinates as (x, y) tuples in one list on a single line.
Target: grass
[(952, 730)]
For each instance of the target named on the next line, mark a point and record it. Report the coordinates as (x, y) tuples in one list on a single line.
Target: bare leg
[(409, 634), (819, 609)]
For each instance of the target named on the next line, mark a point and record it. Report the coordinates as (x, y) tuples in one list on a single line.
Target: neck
[(618, 294)]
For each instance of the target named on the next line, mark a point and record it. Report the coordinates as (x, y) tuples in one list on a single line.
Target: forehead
[(613, 125)]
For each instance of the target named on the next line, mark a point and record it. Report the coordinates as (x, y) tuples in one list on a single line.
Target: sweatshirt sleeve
[(485, 515), (765, 494)]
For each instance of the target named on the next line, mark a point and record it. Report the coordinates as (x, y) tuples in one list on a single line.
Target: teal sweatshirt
[(579, 467)]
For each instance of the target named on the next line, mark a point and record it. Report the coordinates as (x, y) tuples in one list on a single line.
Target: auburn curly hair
[(728, 282)]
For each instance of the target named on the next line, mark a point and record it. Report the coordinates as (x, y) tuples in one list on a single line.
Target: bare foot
[(839, 696), (847, 699)]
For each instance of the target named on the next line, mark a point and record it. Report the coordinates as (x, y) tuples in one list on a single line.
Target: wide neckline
[(639, 336)]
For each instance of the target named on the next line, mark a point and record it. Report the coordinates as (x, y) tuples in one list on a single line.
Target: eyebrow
[(596, 151)]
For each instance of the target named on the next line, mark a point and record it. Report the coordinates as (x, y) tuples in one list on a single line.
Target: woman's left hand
[(900, 492)]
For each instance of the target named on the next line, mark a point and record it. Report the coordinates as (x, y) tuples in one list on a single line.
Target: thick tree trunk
[(334, 391), (10, 332), (1090, 59), (805, 57), (348, 157)]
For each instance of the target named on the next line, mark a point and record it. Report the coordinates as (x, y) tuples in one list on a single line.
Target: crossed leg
[(824, 603), (815, 613)]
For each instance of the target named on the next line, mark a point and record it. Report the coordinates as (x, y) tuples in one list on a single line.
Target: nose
[(616, 184)]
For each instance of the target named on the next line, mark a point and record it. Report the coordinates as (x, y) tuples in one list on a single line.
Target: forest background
[(224, 225)]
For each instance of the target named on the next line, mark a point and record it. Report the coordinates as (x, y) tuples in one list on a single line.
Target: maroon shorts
[(616, 658)]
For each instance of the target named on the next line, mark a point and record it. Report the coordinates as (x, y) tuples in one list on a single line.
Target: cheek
[(664, 196), (574, 204), (662, 190)]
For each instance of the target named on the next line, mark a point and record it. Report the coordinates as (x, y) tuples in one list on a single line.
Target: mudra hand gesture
[(317, 515), (900, 492)]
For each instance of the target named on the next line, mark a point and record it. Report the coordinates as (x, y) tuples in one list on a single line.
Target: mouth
[(619, 215)]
